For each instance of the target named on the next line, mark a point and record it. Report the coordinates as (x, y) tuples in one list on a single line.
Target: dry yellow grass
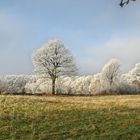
[(70, 117)]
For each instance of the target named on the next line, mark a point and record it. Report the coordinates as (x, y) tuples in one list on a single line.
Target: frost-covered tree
[(74, 85), (13, 84), (130, 82), (54, 60), (110, 74), (37, 85), (96, 84)]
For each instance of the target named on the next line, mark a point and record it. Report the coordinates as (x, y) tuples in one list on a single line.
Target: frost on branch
[(54, 60), (111, 75), (96, 84), (130, 82), (37, 85), (108, 81), (13, 84)]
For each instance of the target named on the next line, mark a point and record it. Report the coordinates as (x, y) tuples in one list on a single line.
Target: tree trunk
[(53, 85)]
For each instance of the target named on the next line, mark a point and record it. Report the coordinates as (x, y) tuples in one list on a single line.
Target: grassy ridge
[(72, 118)]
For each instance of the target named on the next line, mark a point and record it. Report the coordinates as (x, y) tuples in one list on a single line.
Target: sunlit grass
[(73, 118)]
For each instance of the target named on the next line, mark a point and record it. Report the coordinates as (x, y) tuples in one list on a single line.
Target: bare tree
[(123, 2), (54, 60)]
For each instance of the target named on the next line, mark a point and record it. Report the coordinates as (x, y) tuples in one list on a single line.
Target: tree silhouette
[(123, 2)]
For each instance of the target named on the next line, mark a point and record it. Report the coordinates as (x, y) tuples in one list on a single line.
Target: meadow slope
[(71, 118)]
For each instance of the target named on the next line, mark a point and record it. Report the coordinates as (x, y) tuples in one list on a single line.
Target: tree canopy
[(54, 60)]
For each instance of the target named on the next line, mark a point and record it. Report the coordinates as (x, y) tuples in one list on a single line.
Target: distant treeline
[(108, 81)]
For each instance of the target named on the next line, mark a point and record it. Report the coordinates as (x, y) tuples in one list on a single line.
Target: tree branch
[(122, 3)]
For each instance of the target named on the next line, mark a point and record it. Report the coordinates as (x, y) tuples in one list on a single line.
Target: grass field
[(70, 118)]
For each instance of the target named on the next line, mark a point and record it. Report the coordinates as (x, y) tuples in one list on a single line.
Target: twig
[(122, 3)]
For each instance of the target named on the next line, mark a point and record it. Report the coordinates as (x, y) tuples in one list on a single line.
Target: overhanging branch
[(123, 2)]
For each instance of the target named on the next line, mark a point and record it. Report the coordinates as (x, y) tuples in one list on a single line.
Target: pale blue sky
[(93, 30)]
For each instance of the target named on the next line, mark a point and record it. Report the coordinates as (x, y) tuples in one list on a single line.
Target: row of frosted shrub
[(108, 81)]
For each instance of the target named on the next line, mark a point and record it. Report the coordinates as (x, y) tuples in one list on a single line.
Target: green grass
[(70, 118)]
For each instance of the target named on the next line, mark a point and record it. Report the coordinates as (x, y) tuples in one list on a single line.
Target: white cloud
[(126, 50)]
